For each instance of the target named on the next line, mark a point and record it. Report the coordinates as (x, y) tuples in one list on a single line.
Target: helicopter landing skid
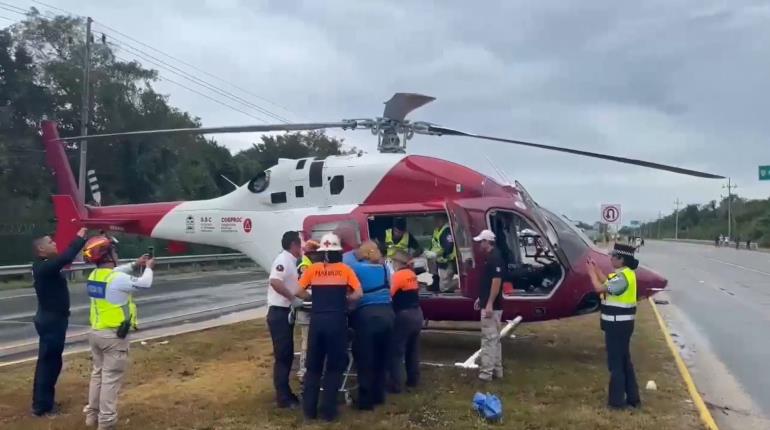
[(470, 363)]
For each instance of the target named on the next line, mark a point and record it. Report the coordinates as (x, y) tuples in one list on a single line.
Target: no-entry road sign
[(610, 213)]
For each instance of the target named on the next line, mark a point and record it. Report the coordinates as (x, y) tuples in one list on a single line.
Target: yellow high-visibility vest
[(438, 249), (402, 245), (106, 315)]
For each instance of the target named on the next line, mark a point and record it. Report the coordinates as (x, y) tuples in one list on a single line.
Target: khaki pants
[(303, 321), (110, 360), (446, 282), (491, 356)]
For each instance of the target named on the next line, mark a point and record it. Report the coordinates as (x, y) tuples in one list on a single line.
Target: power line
[(55, 8), (194, 79), (142, 58), (13, 6), (7, 9), (5, 17), (193, 67), (197, 92)]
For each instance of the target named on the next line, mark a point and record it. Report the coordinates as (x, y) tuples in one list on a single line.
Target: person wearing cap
[(113, 313), (372, 322), (398, 238), (334, 286), (52, 316), (405, 349), (284, 284), (618, 311), (309, 256), (490, 302)]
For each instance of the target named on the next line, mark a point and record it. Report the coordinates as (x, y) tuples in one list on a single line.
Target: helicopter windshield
[(572, 241)]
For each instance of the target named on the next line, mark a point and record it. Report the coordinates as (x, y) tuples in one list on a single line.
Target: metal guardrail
[(742, 245), (25, 269)]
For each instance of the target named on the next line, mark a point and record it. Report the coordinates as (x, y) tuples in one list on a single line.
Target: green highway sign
[(764, 173)]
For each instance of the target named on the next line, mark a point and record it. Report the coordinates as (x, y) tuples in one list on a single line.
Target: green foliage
[(751, 221), (41, 77)]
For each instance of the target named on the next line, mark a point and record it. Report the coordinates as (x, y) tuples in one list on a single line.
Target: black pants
[(282, 334), (327, 342), (406, 349), (373, 327), (52, 330), (623, 389)]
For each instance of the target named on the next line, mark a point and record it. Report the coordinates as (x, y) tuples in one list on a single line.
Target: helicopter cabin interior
[(420, 227), (534, 270)]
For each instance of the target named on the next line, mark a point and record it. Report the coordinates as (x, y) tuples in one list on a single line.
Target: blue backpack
[(488, 406)]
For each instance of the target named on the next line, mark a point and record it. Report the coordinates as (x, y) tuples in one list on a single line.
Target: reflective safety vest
[(304, 264), (623, 307), (106, 315), (402, 245), (438, 249)]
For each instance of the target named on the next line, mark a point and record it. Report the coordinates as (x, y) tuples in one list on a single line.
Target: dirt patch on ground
[(220, 379)]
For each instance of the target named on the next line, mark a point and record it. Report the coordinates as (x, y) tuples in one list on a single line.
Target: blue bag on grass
[(488, 406)]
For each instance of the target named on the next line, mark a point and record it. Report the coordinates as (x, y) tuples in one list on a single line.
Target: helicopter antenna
[(499, 172), (228, 180)]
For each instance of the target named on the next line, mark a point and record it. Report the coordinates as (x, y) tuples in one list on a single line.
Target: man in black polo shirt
[(491, 305), (52, 318)]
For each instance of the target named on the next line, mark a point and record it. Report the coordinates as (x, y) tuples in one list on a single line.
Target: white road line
[(739, 266), (17, 297)]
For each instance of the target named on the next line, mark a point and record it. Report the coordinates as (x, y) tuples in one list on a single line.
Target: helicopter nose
[(649, 282)]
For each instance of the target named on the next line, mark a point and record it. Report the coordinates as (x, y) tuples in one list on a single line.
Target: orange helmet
[(97, 248)]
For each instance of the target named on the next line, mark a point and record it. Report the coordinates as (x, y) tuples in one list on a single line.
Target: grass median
[(556, 378)]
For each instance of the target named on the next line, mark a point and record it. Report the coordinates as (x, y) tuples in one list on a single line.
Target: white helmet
[(330, 242)]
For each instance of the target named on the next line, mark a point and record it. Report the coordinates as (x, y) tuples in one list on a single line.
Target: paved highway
[(172, 299), (720, 312)]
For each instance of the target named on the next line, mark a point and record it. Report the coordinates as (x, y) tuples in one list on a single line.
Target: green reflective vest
[(402, 245), (106, 315), (438, 249)]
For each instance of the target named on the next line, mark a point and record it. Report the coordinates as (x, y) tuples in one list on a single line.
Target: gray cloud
[(681, 82)]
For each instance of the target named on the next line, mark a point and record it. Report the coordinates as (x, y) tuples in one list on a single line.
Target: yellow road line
[(705, 414)]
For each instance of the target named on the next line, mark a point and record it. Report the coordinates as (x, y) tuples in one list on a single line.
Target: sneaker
[(91, 421)]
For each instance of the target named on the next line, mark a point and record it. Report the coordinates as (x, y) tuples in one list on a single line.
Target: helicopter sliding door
[(462, 233)]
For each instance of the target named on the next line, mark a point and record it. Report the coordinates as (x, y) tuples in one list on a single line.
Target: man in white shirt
[(284, 283)]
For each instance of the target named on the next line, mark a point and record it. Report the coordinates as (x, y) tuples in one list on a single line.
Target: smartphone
[(151, 251)]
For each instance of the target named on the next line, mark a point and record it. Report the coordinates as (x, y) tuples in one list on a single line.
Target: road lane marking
[(705, 414), (739, 266), (18, 296)]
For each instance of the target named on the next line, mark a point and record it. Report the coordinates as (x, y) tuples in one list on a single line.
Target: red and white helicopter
[(358, 196)]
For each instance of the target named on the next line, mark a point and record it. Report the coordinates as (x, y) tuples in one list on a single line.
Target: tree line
[(41, 77)]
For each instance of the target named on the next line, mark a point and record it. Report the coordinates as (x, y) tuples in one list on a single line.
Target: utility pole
[(659, 215), (676, 222), (730, 187), (84, 111)]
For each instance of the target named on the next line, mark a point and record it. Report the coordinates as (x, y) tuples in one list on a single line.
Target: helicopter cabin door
[(460, 225)]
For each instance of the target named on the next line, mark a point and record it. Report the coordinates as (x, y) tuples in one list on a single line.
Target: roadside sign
[(610, 213), (764, 173)]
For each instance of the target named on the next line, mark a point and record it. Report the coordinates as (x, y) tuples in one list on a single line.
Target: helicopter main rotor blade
[(451, 132), (211, 130), (399, 106)]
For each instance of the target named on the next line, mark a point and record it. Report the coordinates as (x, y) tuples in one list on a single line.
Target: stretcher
[(300, 316)]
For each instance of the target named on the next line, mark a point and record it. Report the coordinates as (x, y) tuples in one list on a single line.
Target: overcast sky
[(677, 82)]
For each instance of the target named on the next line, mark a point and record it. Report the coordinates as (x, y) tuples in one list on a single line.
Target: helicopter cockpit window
[(533, 267), (301, 164), (259, 183)]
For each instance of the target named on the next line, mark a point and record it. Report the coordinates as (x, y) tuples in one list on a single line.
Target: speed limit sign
[(610, 213)]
